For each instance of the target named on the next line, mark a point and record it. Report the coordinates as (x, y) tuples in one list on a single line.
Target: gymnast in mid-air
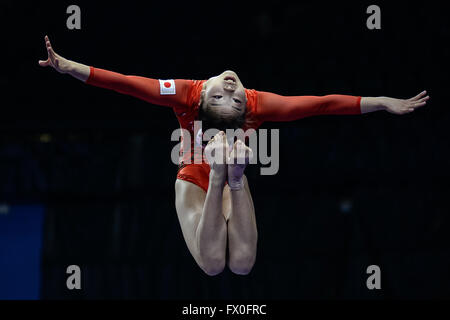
[(213, 200)]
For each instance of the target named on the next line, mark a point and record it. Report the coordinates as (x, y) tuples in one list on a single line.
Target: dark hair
[(213, 120)]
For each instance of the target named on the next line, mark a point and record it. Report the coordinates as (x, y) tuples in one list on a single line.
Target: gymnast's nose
[(229, 86)]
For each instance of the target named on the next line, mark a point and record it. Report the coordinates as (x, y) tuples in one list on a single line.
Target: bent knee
[(213, 267), (242, 264)]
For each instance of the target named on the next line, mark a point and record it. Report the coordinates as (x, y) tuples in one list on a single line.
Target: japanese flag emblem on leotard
[(167, 86)]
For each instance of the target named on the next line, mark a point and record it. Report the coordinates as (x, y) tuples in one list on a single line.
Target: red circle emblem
[(167, 84)]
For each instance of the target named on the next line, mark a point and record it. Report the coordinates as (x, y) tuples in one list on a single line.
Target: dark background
[(351, 190)]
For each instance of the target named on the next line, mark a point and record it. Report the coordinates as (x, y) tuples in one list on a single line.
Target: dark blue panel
[(20, 251)]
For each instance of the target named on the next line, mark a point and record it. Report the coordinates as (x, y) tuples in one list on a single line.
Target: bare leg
[(211, 234), (202, 222), (242, 231)]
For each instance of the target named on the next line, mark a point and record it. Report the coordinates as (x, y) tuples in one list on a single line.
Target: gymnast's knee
[(213, 266), (241, 263)]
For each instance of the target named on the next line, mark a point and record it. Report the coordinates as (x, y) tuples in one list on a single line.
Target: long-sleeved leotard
[(184, 97)]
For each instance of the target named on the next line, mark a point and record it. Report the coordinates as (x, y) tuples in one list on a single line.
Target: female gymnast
[(213, 200)]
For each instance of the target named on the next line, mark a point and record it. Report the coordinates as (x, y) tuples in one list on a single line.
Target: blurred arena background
[(86, 176)]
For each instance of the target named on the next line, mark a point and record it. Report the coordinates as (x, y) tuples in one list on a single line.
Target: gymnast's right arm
[(140, 87)]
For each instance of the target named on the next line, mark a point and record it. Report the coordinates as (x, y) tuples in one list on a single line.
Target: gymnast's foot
[(239, 157), (216, 152)]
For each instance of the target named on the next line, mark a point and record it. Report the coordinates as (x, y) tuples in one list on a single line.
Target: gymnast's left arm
[(274, 107)]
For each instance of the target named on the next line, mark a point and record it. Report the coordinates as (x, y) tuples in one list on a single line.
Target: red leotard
[(261, 106)]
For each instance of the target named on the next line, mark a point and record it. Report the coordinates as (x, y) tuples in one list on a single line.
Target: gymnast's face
[(224, 95)]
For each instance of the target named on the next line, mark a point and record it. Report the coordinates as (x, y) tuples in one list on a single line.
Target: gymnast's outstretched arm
[(274, 107), (140, 87)]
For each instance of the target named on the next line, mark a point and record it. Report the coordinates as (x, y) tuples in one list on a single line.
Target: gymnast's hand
[(393, 105), (403, 106), (63, 65), (54, 60)]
